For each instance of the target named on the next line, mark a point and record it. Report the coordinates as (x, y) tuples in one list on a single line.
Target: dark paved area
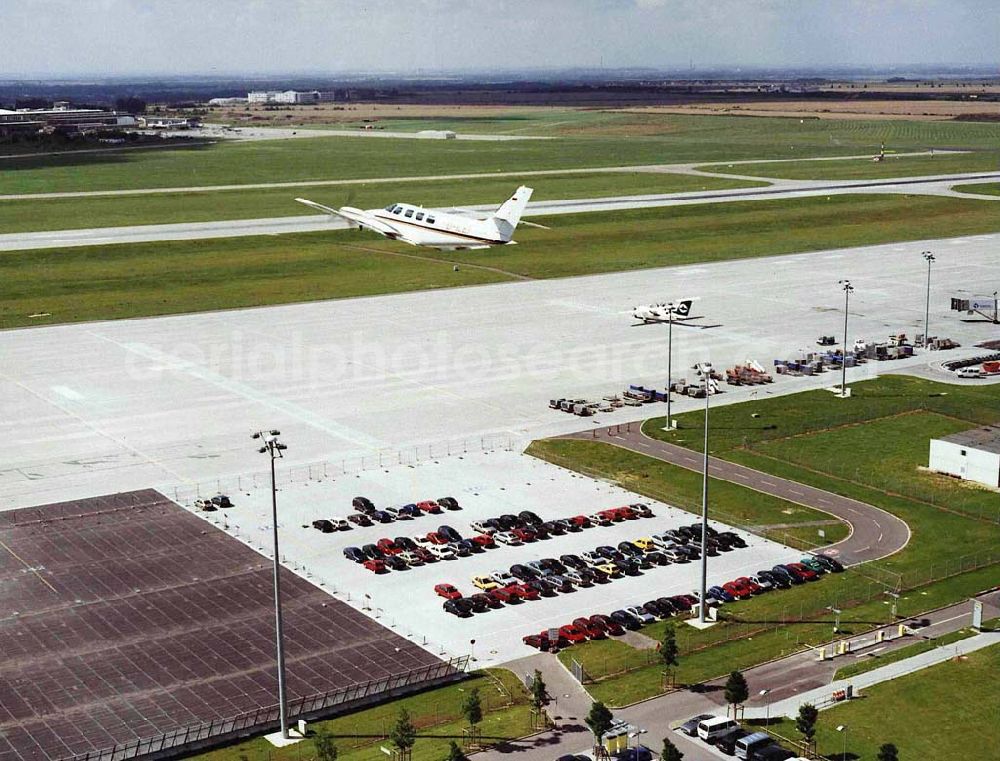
[(875, 533), (124, 617)]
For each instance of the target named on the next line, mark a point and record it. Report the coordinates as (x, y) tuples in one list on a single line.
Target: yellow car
[(645, 544), (609, 570), (484, 583)]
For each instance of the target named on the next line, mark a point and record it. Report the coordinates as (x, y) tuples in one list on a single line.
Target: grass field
[(948, 711), (984, 188), (132, 280), (680, 487), (857, 169), (436, 714), (652, 139), (941, 547), (206, 206)]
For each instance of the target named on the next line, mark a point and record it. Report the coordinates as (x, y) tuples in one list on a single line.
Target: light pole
[(848, 290), (767, 707), (274, 448), (929, 257), (671, 308), (705, 370), (843, 728)]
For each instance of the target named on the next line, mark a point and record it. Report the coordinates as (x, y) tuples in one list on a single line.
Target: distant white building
[(227, 102), (293, 97), (971, 455)]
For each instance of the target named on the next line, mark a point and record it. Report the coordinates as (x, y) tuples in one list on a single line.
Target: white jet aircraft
[(425, 227), (681, 310)]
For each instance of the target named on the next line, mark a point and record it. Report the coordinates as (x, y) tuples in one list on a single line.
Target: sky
[(215, 37)]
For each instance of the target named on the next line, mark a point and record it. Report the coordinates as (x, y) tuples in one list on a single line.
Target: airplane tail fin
[(510, 211)]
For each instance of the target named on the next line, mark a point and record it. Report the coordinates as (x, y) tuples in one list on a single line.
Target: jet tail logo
[(683, 308)]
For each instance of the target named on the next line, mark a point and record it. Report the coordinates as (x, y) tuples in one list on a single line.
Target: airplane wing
[(356, 216)]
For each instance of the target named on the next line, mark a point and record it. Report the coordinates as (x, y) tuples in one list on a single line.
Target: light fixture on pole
[(705, 371), (848, 290), (843, 728), (274, 448), (767, 706), (929, 257)]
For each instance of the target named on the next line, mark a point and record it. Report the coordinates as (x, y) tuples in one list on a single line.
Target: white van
[(745, 746), (710, 729)]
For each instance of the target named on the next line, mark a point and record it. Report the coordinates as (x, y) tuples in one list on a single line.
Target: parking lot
[(486, 485)]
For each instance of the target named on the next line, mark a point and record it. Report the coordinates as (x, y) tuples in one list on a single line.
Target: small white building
[(285, 97), (971, 455)]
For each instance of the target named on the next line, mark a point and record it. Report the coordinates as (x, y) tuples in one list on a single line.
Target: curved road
[(874, 533)]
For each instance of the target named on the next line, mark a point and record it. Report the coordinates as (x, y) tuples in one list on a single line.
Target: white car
[(674, 556), (592, 558), (662, 541), (503, 578), (641, 614), (762, 583), (441, 551), (409, 558), (505, 537), (481, 528), (574, 578), (599, 520)]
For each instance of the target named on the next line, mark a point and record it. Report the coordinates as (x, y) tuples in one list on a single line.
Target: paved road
[(936, 185), (799, 675), (874, 532)]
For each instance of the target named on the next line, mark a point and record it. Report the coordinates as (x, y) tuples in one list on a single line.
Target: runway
[(933, 185), (169, 402)]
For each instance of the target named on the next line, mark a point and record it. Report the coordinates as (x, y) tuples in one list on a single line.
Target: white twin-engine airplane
[(680, 310), (425, 227)]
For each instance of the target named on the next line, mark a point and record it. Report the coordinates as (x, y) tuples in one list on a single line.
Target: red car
[(425, 555), (608, 624), (611, 514), (573, 633), (388, 546), (503, 595), (375, 566), (485, 541), (435, 538), (593, 631), (447, 591), (802, 571), (581, 520), (627, 513), (429, 506), (737, 590), (523, 591), (525, 535), (491, 602), (540, 641), (755, 588)]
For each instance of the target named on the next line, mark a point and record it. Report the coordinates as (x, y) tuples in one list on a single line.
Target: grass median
[(866, 169)]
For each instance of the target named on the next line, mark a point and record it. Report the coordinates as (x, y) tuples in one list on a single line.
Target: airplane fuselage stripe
[(395, 220)]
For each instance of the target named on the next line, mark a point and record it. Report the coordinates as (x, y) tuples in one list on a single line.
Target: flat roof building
[(296, 97), (970, 455)]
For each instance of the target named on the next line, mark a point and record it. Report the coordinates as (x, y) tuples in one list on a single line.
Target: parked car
[(506, 537), (410, 558), (573, 633), (690, 727), (807, 574), (600, 519), (627, 567), (609, 553), (523, 572), (734, 539), (503, 578), (626, 619), (375, 565), (736, 590), (529, 517), (396, 563), (355, 554), (491, 602), (325, 525), (542, 586), (508, 522), (485, 541), (524, 592), (362, 504), (832, 564), (657, 558), (470, 546), (539, 641), (551, 565), (388, 546), (359, 519), (627, 548), (460, 549), (460, 607), (480, 603), (398, 514), (777, 580), (644, 616), (406, 543), (683, 602), (554, 528), (721, 594), (592, 630), (433, 537), (813, 564), (484, 582), (612, 627), (412, 510), (372, 551), (581, 521), (449, 533), (524, 534), (481, 527), (425, 555), (609, 570), (642, 510), (441, 551), (755, 588), (503, 595), (575, 578), (727, 742), (449, 503), (658, 609), (381, 516), (765, 585), (429, 506)]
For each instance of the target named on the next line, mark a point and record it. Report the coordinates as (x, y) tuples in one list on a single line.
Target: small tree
[(472, 709), (668, 647), (403, 734), (325, 748), (888, 752), (670, 752), (539, 692), (599, 720), (737, 690), (454, 752), (806, 721)]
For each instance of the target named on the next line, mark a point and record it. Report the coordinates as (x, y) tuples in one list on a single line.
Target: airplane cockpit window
[(409, 213), (430, 220), (420, 215), (390, 207)]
